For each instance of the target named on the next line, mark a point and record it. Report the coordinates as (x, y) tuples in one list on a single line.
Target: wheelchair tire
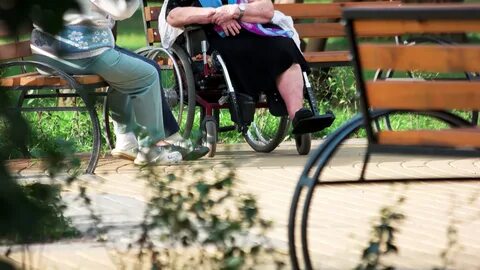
[(181, 65), (303, 142), (190, 88), (260, 135), (210, 137)]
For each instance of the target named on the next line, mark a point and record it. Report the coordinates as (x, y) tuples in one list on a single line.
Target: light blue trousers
[(135, 99)]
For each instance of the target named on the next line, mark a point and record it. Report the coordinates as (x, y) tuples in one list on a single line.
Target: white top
[(86, 32), (102, 12)]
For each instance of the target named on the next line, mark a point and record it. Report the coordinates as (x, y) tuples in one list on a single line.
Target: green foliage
[(73, 127), (335, 88), (50, 128), (210, 216), (45, 221), (382, 241), (47, 14), (31, 212)]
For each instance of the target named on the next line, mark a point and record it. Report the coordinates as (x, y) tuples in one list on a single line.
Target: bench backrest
[(11, 46), (326, 17), (306, 28), (151, 11), (412, 94)]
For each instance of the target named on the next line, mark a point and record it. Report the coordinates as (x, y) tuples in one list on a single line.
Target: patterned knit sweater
[(86, 32)]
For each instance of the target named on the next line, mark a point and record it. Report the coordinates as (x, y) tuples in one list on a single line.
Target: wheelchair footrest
[(306, 122), (246, 105)]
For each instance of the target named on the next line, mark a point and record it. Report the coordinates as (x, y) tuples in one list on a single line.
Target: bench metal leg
[(318, 159), (106, 118), (90, 106), (20, 101), (92, 163), (310, 177), (291, 221)]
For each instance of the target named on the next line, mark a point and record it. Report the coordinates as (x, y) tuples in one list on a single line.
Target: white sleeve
[(117, 9), (168, 33), (286, 23)]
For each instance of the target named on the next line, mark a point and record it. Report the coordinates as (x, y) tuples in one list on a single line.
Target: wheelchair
[(195, 77)]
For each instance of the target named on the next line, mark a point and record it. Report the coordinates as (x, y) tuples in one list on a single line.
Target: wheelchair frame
[(180, 56)]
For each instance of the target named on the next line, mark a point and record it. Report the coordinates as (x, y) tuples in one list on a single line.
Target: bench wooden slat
[(320, 30), (314, 57), (15, 50), (424, 95), (21, 30), (300, 11), (4, 31), (398, 27), (327, 56), (153, 35), (305, 30), (151, 13), (325, 10), (14, 80), (458, 137), (35, 79), (435, 58), (310, 30)]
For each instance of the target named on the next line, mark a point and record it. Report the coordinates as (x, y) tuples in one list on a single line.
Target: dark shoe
[(190, 153), (196, 153), (306, 122)]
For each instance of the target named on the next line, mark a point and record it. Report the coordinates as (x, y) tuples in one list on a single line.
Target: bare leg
[(290, 86)]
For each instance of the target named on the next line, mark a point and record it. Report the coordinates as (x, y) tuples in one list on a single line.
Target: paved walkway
[(341, 219)]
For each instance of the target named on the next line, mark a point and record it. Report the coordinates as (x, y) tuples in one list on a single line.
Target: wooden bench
[(323, 21), (434, 98), (15, 53), (312, 21)]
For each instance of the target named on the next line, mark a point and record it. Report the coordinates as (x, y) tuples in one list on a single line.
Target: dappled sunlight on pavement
[(341, 217)]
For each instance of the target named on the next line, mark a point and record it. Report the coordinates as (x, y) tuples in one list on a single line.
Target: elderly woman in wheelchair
[(259, 55)]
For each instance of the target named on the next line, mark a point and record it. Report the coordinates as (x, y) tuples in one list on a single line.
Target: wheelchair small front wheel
[(303, 142), (210, 137)]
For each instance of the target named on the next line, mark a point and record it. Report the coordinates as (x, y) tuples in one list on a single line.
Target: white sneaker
[(130, 153), (156, 156), (126, 146)]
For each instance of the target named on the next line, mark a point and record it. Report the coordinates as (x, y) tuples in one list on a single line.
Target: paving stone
[(340, 219)]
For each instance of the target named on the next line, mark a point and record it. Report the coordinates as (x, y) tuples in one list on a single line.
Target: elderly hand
[(231, 27), (225, 13)]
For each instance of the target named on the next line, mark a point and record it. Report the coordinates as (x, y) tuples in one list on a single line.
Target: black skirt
[(254, 62)]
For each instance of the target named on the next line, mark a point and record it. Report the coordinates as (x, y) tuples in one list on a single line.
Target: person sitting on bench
[(86, 46), (259, 55)]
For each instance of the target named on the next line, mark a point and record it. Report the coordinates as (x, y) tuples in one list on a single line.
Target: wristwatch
[(241, 7)]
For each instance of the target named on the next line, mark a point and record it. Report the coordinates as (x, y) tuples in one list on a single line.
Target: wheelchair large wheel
[(266, 131), (178, 83)]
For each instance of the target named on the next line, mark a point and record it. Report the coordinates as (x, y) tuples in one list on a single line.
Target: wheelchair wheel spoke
[(255, 134), (266, 131)]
